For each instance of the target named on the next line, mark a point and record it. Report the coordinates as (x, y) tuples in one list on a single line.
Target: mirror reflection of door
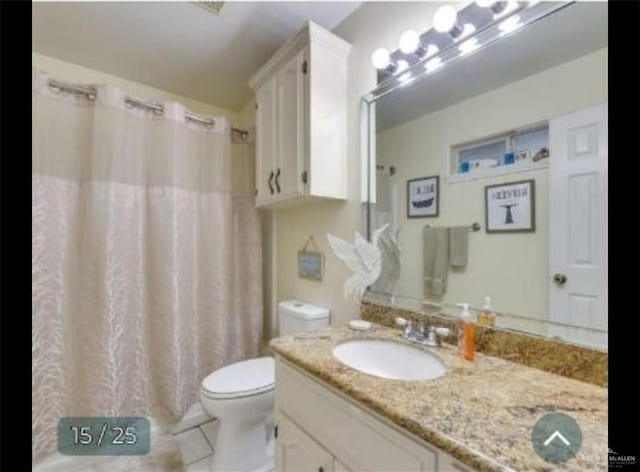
[(578, 224)]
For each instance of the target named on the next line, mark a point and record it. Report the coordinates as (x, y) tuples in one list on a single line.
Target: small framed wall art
[(423, 197), (510, 207), (311, 263)]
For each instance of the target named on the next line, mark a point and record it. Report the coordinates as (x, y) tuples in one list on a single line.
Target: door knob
[(560, 279)]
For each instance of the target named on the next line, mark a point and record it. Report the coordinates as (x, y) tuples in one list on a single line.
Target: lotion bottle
[(466, 333), (487, 317)]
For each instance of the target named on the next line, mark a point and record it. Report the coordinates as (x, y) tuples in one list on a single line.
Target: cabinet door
[(290, 127), (446, 463), (297, 452), (266, 140)]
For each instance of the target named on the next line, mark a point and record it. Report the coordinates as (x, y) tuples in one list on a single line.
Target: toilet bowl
[(241, 396)]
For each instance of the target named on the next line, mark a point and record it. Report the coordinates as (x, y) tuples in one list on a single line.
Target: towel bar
[(473, 228)]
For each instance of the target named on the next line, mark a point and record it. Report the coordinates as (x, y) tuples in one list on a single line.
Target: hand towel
[(436, 260), (458, 246)]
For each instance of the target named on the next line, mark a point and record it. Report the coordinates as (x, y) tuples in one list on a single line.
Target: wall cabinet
[(301, 119), (320, 430)]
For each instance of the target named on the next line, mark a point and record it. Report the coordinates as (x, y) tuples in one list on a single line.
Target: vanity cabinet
[(321, 430), (297, 451), (301, 118)]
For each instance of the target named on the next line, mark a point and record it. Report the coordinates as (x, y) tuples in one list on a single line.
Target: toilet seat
[(240, 379)]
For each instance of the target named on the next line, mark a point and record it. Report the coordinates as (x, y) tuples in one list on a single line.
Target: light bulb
[(431, 50), (380, 58), (445, 18), (510, 6), (433, 64), (404, 77), (467, 30), (468, 46), (402, 65), (409, 42), (485, 3), (510, 24)]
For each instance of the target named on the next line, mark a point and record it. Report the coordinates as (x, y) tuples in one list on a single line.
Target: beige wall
[(511, 268), (373, 25), (71, 72)]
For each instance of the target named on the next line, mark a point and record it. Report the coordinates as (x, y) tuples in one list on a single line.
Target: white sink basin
[(389, 360)]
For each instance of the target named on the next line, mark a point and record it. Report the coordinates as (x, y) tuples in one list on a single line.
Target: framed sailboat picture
[(423, 197)]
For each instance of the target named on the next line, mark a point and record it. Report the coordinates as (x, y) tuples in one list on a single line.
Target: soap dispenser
[(466, 333), (486, 317)]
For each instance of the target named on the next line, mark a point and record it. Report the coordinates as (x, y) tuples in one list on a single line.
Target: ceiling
[(177, 46), (567, 34)]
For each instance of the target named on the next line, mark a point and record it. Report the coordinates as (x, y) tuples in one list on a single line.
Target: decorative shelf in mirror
[(515, 151)]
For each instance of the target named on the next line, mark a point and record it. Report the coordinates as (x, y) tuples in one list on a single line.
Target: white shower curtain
[(146, 257)]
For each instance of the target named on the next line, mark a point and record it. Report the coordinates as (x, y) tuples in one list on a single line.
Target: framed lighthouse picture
[(423, 197), (510, 207)]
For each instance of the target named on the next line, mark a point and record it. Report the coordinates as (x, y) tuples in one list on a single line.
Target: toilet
[(241, 397)]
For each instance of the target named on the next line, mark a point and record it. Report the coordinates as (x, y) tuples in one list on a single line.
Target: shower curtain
[(146, 257)]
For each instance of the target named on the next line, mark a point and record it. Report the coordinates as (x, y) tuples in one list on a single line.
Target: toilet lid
[(241, 378)]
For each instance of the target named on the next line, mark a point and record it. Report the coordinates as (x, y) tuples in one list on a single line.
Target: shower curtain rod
[(91, 92)]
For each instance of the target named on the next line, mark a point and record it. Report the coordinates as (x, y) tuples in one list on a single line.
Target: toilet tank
[(295, 316)]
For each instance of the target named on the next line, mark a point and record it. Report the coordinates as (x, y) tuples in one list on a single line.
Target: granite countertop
[(481, 412)]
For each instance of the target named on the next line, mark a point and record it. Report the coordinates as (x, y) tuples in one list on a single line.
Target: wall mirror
[(489, 164)]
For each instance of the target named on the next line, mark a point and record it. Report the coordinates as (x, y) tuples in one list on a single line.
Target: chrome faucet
[(425, 334)]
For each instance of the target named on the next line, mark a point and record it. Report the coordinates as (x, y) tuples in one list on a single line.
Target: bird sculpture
[(363, 258)]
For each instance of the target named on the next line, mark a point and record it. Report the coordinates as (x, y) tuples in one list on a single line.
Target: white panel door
[(298, 452), (290, 127), (579, 224), (266, 141)]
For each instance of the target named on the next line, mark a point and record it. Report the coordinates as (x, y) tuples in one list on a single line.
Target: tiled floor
[(164, 457)]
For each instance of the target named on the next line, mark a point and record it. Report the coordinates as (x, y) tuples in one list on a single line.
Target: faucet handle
[(442, 332), (408, 330), (430, 337)]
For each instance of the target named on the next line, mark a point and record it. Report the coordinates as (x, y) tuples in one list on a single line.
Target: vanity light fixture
[(431, 50), (445, 21), (433, 64), (510, 7), (472, 28), (467, 30), (381, 59), (468, 46), (510, 24), (405, 78), (402, 65), (410, 42), (495, 7)]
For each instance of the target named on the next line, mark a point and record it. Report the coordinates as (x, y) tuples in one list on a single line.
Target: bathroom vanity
[(478, 416), (319, 429)]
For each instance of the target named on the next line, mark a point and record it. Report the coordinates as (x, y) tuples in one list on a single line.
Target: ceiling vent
[(211, 7)]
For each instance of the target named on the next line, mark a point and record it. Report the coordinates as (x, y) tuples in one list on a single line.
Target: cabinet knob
[(277, 177), (270, 179), (560, 279)]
